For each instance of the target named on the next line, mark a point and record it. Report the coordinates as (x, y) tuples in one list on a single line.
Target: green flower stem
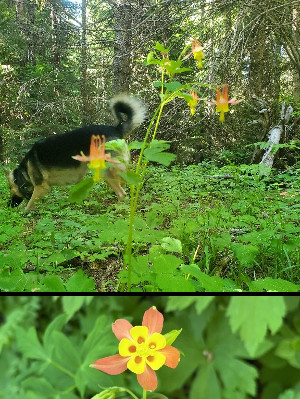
[(135, 194), (183, 51), (130, 393), (144, 394)]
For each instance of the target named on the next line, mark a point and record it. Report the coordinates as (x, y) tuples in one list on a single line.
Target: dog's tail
[(132, 108)]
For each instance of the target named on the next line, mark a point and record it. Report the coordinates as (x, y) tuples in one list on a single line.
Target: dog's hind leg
[(38, 193)]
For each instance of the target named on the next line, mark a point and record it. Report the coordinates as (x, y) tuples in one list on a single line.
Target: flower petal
[(154, 320), (81, 158), (139, 334), (156, 360), (136, 365), (172, 356), (112, 365), (156, 341), (127, 347), (148, 379), (121, 328)]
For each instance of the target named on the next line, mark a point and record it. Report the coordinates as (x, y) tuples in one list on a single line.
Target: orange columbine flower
[(97, 156), (197, 52), (193, 101), (222, 101), (142, 350)]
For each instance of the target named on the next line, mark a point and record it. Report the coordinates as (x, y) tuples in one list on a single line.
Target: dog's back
[(58, 150), (49, 162)]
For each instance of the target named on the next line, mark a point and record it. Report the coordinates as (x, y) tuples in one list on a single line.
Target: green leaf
[(30, 345), (173, 67), (252, 316), (40, 386), (173, 86), (55, 325), (182, 302), (71, 304), (179, 302), (53, 283), (130, 177), (79, 192), (172, 336), (206, 384), (12, 281), (289, 349), (237, 375), (151, 60), (66, 353), (289, 394), (271, 284), (161, 48), (224, 352), (95, 340), (202, 303), (118, 145), (135, 145), (80, 282), (155, 154), (157, 84), (172, 245), (246, 254), (209, 283)]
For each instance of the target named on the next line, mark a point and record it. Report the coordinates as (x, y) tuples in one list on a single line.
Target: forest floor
[(193, 232)]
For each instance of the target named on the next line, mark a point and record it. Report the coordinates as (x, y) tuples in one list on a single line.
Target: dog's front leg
[(38, 193)]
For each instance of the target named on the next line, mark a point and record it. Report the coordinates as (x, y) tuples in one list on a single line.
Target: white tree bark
[(274, 136)]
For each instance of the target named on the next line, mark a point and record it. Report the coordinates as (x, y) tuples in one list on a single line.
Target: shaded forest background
[(61, 62)]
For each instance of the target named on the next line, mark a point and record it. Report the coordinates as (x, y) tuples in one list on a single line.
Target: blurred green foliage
[(232, 347)]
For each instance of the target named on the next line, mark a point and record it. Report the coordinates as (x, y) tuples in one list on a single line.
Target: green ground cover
[(197, 228)]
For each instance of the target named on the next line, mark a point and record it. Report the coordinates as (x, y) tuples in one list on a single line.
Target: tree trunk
[(56, 53), (83, 81), (296, 37), (122, 46)]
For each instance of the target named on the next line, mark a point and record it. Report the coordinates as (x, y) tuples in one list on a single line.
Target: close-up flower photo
[(149, 347), (142, 350)]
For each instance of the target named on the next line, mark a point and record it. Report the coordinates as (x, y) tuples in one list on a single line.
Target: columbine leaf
[(173, 86), (161, 48), (118, 145), (135, 145), (164, 158), (252, 316), (151, 59), (157, 84), (79, 192), (130, 177), (156, 153)]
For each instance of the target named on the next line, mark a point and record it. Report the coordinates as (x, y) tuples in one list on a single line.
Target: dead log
[(274, 135)]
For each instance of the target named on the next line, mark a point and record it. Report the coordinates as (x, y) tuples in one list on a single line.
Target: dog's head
[(15, 194)]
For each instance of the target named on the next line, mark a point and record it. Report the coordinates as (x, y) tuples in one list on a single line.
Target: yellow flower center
[(143, 349)]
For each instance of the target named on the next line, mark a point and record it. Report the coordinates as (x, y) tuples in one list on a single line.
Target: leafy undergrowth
[(197, 228)]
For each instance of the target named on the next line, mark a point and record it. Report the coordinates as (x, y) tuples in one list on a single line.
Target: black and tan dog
[(49, 162)]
